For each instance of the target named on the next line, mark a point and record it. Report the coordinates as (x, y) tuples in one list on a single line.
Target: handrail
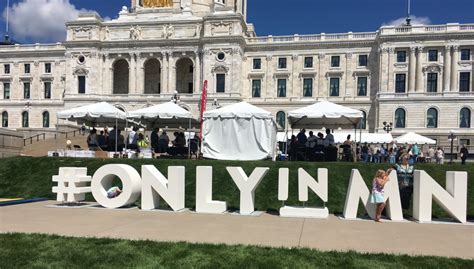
[(35, 136)]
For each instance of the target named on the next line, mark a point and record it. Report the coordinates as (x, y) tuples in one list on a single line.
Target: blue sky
[(276, 17)]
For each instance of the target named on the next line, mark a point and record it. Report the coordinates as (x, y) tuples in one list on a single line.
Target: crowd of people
[(321, 147), (159, 142)]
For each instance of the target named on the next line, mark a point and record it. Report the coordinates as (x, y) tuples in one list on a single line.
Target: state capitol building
[(418, 77)]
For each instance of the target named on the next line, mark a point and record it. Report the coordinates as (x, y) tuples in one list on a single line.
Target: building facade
[(419, 78)]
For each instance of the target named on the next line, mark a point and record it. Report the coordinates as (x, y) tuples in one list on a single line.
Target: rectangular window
[(281, 90), (47, 68), (27, 68), (464, 81), (400, 83), (47, 90), (81, 84), (257, 64), (335, 61), (308, 87), (26, 90), (433, 55), (256, 88), (308, 62), (362, 86), (6, 90), (432, 83), (465, 54), (401, 56), (281, 63), (362, 60), (220, 82), (6, 69), (334, 87)]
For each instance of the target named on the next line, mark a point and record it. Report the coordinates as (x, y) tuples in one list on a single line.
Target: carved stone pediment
[(256, 75), (334, 74), (281, 75), (433, 68), (307, 75), (465, 63), (220, 69), (80, 71), (400, 65), (221, 28), (361, 73)]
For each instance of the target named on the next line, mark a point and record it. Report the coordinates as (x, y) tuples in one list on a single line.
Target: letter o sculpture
[(102, 181)]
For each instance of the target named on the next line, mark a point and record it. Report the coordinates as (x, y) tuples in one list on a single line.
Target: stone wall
[(11, 143)]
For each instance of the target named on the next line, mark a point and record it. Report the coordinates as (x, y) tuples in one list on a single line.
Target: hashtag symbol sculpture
[(72, 184)]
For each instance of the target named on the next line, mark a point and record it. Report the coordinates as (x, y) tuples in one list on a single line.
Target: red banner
[(203, 104)]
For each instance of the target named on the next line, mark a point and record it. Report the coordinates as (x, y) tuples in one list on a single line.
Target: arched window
[(363, 121), (432, 118), (281, 119), (25, 121), (121, 77), (46, 119), (400, 118), (5, 119), (152, 76), (465, 118)]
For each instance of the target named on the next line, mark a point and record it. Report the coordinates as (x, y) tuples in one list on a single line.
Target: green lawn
[(44, 251), (31, 177)]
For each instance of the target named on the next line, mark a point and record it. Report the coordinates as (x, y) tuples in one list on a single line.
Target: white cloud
[(41, 20), (414, 21)]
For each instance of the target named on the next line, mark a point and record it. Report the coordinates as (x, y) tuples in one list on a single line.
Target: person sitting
[(113, 192), (102, 141), (141, 142)]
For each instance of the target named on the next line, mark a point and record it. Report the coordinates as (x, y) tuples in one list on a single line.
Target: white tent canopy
[(167, 114), (324, 114), (239, 132), (414, 138), (99, 113)]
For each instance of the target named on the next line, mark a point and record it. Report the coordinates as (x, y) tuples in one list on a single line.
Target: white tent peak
[(167, 110), (324, 114), (414, 138), (93, 112), (239, 110)]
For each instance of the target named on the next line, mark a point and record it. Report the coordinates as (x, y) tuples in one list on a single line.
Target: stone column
[(110, 75), (390, 62), (140, 74), (447, 68), (132, 74), (411, 70), (419, 71), (348, 87), (320, 76), (454, 69), (383, 83), (268, 77), (197, 72), (294, 78), (165, 72), (171, 73)]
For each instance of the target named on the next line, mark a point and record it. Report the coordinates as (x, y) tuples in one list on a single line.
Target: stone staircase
[(41, 148)]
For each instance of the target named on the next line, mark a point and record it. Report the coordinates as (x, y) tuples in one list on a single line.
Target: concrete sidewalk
[(454, 240)]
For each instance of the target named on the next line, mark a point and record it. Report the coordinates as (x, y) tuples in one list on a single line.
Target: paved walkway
[(455, 240)]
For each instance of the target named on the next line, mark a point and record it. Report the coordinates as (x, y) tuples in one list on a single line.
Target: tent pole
[(189, 139), (116, 135), (354, 149), (127, 133)]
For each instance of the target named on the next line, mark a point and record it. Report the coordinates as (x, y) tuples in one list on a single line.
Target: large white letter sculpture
[(154, 185), (247, 186), (204, 202), (358, 190), (305, 182), (72, 184), (102, 181), (453, 200)]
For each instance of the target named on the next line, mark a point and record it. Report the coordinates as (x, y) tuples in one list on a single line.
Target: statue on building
[(135, 32), (157, 3), (168, 31)]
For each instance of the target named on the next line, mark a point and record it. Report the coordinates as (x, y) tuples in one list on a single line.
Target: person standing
[(405, 180), (440, 156), (163, 143), (377, 196), (155, 139), (415, 150), (365, 153), (431, 153), (464, 154), (301, 137)]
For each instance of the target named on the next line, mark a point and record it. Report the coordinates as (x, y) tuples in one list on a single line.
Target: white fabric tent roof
[(99, 113), (324, 114), (167, 114), (414, 138), (239, 132), (241, 110)]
